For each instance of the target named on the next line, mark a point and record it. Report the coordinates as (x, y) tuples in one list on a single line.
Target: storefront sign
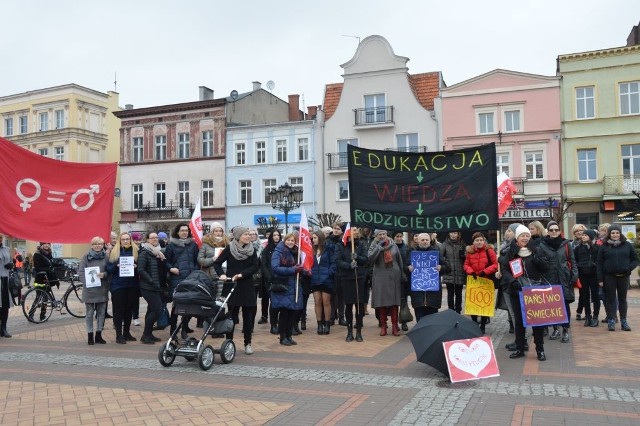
[(543, 305), (527, 214)]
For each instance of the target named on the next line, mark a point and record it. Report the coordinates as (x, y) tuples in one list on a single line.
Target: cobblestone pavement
[(49, 375)]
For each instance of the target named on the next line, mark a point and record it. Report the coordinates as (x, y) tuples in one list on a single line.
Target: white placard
[(126, 266), (92, 277)]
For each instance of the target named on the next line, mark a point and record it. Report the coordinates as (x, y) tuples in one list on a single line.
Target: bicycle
[(40, 301)]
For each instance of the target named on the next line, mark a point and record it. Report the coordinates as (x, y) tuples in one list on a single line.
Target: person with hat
[(616, 260), (562, 270), (523, 252), (242, 262), (586, 254), (163, 239)]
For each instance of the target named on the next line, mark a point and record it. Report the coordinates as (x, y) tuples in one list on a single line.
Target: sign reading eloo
[(440, 191)]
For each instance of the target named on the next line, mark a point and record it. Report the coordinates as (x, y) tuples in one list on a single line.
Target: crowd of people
[(349, 270)]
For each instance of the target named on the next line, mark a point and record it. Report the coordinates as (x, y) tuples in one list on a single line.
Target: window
[(374, 108), (342, 151), (512, 121), (59, 152), (587, 164), (44, 152), (161, 195), (161, 147), (268, 185), (629, 98), (207, 143), (207, 193), (261, 152), (485, 122), (590, 220), (630, 160), (24, 124), (296, 182), (407, 142), (502, 164), (245, 191), (138, 153), (183, 145), (533, 164), (44, 121), (281, 149), (183, 193), (240, 154), (59, 119), (136, 193), (585, 103), (8, 126), (303, 149), (343, 190)]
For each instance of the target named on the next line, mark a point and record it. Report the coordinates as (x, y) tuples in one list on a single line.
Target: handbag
[(278, 285), (163, 319), (405, 313), (15, 285)]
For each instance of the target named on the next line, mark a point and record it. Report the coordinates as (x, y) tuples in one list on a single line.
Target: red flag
[(506, 189), (52, 200), (305, 244), (346, 235), (196, 225)]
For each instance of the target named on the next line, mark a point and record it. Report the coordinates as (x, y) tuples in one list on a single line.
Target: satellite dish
[(234, 95), (270, 85)]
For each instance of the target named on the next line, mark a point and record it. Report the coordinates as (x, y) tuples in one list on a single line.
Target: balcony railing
[(621, 184), (336, 160), (408, 149), (168, 211), (373, 116)]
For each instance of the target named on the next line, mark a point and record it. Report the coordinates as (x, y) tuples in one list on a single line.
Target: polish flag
[(196, 225), (305, 244), (506, 189), (347, 234)]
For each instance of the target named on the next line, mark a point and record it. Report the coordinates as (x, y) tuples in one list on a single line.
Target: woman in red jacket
[(481, 261)]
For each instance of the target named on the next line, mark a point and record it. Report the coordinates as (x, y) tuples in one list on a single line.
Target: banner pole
[(355, 273)]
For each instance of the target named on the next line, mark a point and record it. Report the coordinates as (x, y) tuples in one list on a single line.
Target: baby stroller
[(196, 296)]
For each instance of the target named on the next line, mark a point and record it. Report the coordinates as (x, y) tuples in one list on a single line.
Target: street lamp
[(285, 199)]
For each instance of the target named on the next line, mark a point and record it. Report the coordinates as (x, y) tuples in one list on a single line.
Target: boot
[(587, 320), (594, 322), (99, 340), (382, 312), (511, 329), (359, 334), (90, 339), (120, 338), (395, 330), (482, 328), (128, 337), (296, 330), (3, 329), (327, 327), (555, 334), (303, 324), (320, 327), (349, 337), (565, 335)]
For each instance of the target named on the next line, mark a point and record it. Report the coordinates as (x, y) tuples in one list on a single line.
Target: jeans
[(92, 309)]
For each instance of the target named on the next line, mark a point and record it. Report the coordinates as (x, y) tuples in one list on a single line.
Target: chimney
[(634, 36), (311, 112), (294, 107), (256, 85), (205, 94), (128, 106)]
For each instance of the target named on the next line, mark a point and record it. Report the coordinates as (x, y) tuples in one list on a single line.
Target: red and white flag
[(51, 200), (506, 189), (346, 235), (305, 244), (196, 225)]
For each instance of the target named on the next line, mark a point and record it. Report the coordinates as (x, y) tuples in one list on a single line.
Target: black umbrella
[(431, 331)]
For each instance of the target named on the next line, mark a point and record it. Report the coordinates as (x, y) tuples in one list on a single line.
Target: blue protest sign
[(425, 276)]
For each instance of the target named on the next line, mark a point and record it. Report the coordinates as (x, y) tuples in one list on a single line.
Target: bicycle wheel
[(73, 301), (37, 305)]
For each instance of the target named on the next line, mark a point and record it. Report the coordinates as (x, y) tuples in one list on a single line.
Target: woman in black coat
[(152, 272), (617, 258), (352, 277), (265, 266), (242, 263), (586, 254)]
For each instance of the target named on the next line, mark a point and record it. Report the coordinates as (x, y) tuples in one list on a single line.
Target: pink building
[(521, 113)]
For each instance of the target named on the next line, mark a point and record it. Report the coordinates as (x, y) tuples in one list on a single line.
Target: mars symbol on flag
[(471, 359), (55, 196)]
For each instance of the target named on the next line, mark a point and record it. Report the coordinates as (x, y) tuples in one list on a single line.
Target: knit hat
[(551, 223), (513, 227), (521, 229), (615, 228), (216, 225), (238, 231), (591, 233), (377, 231), (162, 235), (136, 236)]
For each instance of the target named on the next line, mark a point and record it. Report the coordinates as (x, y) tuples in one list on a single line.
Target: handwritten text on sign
[(543, 305), (479, 297), (425, 276), (470, 359)]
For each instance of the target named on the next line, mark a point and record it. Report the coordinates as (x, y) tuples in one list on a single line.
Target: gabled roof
[(425, 87)]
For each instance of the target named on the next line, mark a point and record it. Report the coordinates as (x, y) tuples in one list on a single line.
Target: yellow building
[(70, 123)]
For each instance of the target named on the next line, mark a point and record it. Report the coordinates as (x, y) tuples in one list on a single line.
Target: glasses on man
[(554, 230)]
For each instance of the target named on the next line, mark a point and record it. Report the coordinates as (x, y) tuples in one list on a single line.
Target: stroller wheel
[(227, 351), (167, 356), (205, 357)]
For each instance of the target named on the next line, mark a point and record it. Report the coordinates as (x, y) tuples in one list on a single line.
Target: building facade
[(69, 123), (378, 106), (521, 113)]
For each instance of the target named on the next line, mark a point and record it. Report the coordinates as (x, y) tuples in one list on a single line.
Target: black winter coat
[(535, 265), (182, 255), (347, 277), (586, 257), (616, 260), (151, 271), (559, 271), (245, 292)]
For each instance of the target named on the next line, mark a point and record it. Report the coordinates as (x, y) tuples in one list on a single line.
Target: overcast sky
[(163, 50)]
